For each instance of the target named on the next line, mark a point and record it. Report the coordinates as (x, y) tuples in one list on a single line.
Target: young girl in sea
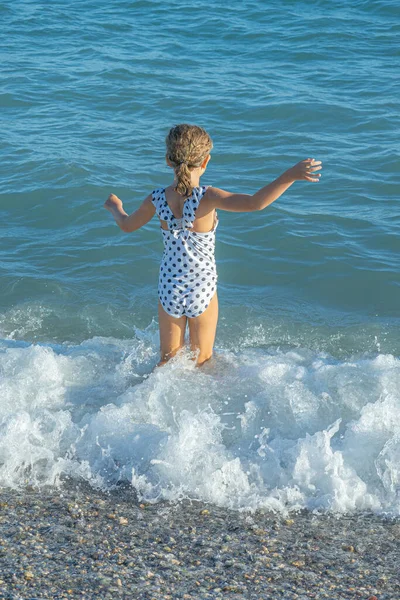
[(187, 285)]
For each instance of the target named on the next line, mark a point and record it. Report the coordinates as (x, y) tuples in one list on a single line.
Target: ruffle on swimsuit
[(188, 276)]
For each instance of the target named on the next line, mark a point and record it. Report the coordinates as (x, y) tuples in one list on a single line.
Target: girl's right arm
[(304, 170), (137, 219)]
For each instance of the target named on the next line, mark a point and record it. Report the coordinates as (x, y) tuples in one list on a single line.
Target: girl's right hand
[(305, 170), (113, 202)]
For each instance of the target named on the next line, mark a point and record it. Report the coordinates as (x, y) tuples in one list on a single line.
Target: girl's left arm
[(137, 219)]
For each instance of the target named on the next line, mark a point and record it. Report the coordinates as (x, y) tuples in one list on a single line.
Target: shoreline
[(83, 543)]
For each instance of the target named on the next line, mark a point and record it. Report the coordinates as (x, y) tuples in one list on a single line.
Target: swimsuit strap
[(192, 203), (157, 198)]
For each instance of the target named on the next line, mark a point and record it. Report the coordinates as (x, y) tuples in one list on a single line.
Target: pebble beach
[(77, 543)]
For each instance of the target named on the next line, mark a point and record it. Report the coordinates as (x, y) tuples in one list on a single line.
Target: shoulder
[(213, 195), (206, 191)]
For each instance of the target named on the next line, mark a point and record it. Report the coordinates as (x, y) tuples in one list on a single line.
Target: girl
[(188, 220)]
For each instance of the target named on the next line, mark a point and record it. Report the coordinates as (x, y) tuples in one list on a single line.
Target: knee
[(202, 358), (161, 362), (166, 356)]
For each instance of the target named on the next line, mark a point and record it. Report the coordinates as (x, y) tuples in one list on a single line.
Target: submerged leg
[(172, 334), (202, 330)]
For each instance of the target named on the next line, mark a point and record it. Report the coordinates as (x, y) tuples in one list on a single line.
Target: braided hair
[(187, 147)]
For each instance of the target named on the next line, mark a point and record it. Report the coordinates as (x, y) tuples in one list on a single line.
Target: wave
[(255, 428)]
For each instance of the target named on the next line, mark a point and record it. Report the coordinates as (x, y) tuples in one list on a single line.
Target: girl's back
[(206, 215)]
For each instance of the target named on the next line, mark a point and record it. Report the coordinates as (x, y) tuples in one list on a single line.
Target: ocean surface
[(300, 407)]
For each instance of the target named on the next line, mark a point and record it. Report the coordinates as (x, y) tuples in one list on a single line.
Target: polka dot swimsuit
[(188, 276)]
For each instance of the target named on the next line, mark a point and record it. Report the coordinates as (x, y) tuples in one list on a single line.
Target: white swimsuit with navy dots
[(188, 275)]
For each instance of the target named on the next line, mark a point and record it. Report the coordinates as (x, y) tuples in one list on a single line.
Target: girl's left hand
[(306, 169), (112, 202)]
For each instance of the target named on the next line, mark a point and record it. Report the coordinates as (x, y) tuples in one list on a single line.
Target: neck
[(195, 181), (195, 175)]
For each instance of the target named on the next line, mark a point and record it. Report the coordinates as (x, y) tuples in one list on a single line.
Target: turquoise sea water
[(301, 406)]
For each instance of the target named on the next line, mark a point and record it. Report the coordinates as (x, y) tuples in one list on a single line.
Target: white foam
[(258, 428)]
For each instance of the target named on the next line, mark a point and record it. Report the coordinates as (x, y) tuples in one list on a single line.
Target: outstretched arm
[(304, 170), (137, 219)]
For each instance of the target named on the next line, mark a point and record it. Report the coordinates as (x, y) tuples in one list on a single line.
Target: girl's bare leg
[(172, 334), (202, 330)]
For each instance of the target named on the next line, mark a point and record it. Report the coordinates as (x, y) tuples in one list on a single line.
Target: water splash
[(255, 428)]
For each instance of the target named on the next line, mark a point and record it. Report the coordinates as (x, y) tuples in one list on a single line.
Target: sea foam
[(256, 428)]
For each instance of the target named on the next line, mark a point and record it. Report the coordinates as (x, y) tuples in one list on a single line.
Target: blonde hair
[(187, 147)]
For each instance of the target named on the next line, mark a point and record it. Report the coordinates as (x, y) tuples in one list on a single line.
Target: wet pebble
[(78, 542)]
